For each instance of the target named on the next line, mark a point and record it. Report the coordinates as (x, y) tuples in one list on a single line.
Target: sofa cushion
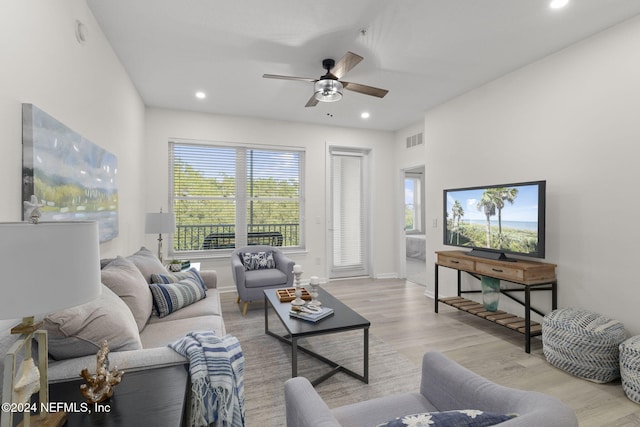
[(257, 260), (176, 277), (124, 278), (457, 418), (162, 333), (105, 261), (260, 278), (79, 331), (147, 262), (169, 297)]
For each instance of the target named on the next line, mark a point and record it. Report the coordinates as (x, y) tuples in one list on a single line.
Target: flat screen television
[(496, 220)]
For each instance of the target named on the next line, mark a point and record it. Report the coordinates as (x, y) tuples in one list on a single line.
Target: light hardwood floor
[(404, 318)]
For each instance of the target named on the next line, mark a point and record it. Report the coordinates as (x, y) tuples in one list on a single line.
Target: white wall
[(405, 159), (165, 124), (409, 158), (82, 85), (571, 119)]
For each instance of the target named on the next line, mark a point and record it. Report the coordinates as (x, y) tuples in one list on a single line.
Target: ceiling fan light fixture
[(328, 90)]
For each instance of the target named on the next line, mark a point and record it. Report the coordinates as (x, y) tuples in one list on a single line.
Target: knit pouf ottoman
[(583, 343), (630, 367)]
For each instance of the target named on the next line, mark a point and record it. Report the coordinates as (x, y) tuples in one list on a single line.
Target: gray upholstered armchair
[(251, 282), (445, 386)]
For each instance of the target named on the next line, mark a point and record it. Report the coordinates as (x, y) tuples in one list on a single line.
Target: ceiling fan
[(328, 88)]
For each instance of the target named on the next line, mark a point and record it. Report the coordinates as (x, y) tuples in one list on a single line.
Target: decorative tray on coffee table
[(289, 294)]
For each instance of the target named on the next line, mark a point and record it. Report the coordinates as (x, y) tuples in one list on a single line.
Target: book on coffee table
[(306, 314)]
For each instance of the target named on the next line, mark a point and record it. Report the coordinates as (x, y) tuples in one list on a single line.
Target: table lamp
[(163, 222), (45, 267)]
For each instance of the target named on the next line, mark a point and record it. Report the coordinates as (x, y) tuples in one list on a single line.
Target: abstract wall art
[(71, 177)]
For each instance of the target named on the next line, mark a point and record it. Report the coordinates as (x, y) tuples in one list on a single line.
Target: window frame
[(241, 197), (417, 203)]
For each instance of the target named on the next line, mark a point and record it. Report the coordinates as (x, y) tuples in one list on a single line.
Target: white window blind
[(229, 196), (349, 212)]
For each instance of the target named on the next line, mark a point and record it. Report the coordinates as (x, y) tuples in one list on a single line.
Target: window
[(229, 196), (412, 205)]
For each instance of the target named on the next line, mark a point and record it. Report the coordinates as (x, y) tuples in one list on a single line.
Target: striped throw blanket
[(216, 366)]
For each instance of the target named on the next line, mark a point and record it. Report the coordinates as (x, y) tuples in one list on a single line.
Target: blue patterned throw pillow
[(460, 418), (257, 260), (176, 277), (169, 297)]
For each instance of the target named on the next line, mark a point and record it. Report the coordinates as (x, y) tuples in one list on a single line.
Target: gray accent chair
[(445, 386), (252, 283)]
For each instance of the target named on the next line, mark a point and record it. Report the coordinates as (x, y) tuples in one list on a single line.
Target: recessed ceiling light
[(558, 4), (365, 115), (201, 95)]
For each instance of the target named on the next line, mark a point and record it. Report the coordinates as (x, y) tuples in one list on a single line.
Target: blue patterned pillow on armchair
[(459, 418), (257, 260)]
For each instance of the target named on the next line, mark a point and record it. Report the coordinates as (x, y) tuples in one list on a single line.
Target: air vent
[(414, 140)]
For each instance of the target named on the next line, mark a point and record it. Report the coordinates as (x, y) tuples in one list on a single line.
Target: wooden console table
[(526, 275)]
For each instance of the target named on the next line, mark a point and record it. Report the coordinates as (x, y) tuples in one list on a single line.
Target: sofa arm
[(448, 385), (210, 278), (237, 269), (304, 407), (129, 361)]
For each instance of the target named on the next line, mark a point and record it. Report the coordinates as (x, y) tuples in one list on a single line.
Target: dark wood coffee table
[(343, 319), (153, 397)]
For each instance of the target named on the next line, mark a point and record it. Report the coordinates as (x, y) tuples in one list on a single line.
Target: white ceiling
[(424, 52)]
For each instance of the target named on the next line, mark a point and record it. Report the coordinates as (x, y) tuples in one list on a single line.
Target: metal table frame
[(550, 285), (307, 329)]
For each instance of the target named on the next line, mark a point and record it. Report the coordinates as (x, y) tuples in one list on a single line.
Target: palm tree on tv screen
[(503, 195), (457, 213), (488, 204)]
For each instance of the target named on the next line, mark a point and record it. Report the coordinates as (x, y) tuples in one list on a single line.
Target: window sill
[(225, 254)]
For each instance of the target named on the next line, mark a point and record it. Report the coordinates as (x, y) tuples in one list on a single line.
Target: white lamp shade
[(162, 222), (47, 266)]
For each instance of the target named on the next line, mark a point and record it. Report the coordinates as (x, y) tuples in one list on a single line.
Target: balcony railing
[(222, 236)]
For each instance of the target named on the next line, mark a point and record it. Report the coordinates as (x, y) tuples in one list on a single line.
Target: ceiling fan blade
[(367, 90), (345, 64), (277, 76), (312, 102)]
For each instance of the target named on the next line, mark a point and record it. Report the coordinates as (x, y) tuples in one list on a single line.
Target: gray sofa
[(445, 386), (124, 315)]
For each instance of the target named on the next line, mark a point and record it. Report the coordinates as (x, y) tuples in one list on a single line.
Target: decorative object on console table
[(490, 292), (163, 222), (37, 258)]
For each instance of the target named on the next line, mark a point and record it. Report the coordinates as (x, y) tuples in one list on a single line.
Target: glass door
[(349, 224)]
